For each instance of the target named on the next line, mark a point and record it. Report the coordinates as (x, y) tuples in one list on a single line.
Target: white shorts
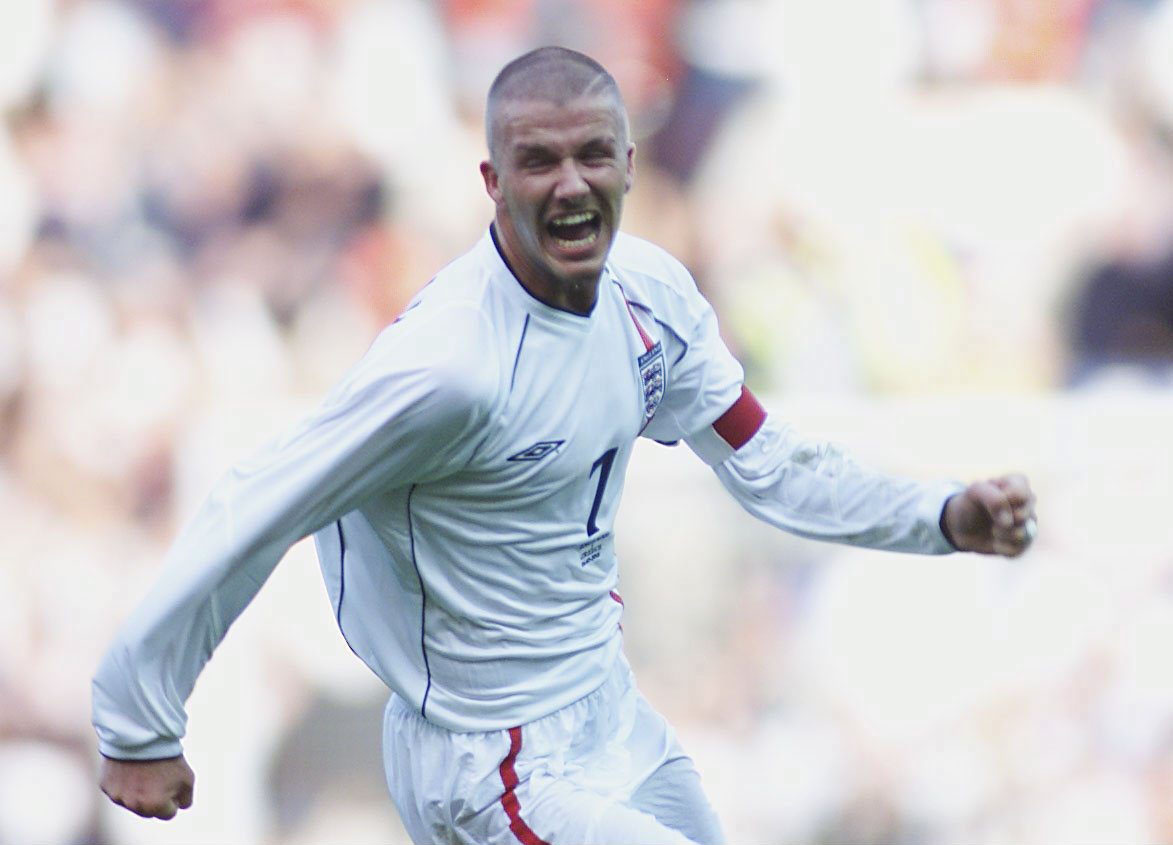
[(606, 769)]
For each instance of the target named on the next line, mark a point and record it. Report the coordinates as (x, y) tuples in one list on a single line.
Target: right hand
[(154, 789)]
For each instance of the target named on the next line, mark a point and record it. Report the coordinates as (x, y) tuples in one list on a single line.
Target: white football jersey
[(462, 483)]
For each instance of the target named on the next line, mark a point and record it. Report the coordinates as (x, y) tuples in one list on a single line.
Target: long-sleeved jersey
[(461, 483)]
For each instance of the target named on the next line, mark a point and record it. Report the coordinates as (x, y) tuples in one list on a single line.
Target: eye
[(535, 160), (596, 155)]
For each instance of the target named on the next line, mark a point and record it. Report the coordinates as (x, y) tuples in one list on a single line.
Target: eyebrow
[(538, 148), (531, 149)]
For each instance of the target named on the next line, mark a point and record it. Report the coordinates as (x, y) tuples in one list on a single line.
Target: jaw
[(576, 262), (562, 272)]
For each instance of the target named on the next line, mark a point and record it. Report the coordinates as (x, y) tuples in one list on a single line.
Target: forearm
[(212, 571), (147, 674), (814, 490)]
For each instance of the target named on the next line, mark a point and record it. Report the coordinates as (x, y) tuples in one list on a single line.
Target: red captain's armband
[(742, 421)]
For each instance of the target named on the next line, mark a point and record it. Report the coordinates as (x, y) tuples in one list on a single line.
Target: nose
[(570, 185)]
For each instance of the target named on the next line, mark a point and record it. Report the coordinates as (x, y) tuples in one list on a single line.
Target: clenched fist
[(154, 789), (994, 517)]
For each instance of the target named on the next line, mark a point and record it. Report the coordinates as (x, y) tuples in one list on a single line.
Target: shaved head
[(548, 74)]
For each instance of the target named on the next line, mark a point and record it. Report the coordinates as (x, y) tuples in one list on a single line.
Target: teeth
[(573, 219), (589, 239)]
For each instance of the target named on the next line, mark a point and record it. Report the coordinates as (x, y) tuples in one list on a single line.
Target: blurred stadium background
[(939, 232)]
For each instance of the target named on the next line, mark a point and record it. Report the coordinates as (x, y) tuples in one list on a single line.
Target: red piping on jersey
[(617, 597), (642, 334), (742, 421), (521, 830)]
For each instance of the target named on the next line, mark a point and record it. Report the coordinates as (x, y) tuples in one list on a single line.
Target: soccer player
[(461, 484)]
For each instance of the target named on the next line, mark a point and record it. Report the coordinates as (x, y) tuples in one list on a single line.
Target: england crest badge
[(651, 374)]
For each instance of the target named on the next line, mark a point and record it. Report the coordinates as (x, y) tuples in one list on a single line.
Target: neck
[(578, 296)]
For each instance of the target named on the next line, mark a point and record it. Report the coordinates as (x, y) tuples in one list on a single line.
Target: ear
[(629, 177), (492, 183)]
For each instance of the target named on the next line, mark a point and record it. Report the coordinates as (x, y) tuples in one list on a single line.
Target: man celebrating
[(461, 483)]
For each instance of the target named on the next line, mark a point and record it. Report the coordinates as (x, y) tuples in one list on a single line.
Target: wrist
[(943, 523)]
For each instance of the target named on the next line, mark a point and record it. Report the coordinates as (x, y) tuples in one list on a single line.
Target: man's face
[(558, 179)]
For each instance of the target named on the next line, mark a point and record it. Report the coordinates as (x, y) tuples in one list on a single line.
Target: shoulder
[(450, 345), (653, 278), (639, 259), (441, 346)]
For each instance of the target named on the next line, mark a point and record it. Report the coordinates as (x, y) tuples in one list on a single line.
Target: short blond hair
[(550, 74)]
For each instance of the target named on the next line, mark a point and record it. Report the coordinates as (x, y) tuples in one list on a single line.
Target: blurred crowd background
[(938, 231)]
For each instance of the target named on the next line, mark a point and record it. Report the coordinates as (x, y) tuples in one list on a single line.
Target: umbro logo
[(537, 451)]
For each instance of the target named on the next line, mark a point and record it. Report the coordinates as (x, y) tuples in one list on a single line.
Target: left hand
[(993, 517)]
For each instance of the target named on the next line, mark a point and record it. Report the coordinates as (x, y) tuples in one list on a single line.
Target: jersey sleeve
[(805, 487), (815, 490), (408, 412), (703, 379)]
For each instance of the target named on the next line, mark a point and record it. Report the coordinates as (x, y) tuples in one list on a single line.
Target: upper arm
[(704, 379), (735, 427)]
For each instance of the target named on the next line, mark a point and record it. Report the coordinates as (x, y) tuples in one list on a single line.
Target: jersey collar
[(518, 292)]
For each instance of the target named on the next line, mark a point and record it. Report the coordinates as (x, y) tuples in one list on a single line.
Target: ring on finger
[(1031, 527)]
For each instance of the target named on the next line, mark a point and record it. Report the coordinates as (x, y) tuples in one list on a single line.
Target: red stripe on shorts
[(509, 801), (742, 421)]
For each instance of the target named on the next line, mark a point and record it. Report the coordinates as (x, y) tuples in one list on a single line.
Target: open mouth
[(575, 230)]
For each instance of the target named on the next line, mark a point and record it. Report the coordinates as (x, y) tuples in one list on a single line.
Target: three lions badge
[(651, 374)]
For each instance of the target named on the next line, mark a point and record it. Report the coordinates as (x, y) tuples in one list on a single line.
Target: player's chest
[(573, 396)]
